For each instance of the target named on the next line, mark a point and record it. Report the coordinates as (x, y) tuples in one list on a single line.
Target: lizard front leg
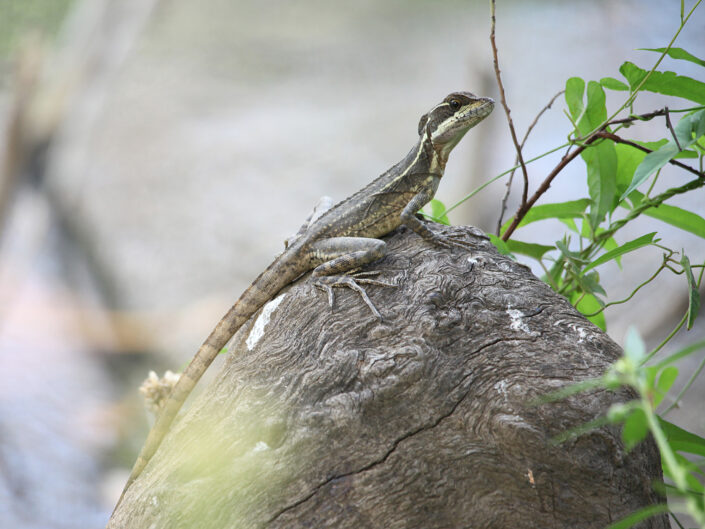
[(337, 260), (408, 217)]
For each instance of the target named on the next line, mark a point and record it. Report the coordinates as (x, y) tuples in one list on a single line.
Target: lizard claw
[(353, 282), (325, 286), (455, 240)]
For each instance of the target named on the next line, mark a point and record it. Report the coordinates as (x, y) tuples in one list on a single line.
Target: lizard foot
[(353, 282)]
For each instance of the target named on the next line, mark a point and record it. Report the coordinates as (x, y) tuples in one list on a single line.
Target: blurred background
[(156, 154)]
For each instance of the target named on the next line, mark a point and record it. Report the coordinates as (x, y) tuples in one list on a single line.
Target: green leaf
[(586, 231), (630, 246), (596, 110), (600, 158), (500, 244), (590, 283), (634, 348), (677, 53), (438, 210), (690, 468), (665, 381), (628, 159), (558, 210), (618, 413), (675, 216), (686, 153), (613, 84), (700, 144), (686, 469), (635, 428), (651, 372), (588, 305), (570, 223), (530, 249), (693, 293), (611, 244), (666, 83), (601, 161), (638, 516), (574, 89), (651, 163), (689, 126), (682, 440), (686, 351), (571, 256)]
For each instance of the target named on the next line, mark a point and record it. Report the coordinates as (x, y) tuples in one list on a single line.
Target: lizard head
[(446, 123)]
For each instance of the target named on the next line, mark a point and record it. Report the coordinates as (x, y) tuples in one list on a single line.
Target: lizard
[(335, 243)]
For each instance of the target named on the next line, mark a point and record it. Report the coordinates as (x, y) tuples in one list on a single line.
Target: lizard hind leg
[(339, 260)]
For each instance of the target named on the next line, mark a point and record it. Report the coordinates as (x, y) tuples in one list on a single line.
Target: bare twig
[(526, 206), (516, 162), (567, 158), (673, 132), (618, 139), (675, 329), (538, 116), (506, 107), (640, 117), (666, 258), (600, 133)]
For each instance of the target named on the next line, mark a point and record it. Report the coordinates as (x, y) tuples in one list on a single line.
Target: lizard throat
[(439, 157)]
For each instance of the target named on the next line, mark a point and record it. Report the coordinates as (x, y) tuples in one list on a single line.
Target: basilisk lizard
[(339, 241)]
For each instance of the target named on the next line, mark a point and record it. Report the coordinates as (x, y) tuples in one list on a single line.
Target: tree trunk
[(333, 419)]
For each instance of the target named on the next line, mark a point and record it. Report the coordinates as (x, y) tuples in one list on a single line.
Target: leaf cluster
[(621, 173), (616, 167)]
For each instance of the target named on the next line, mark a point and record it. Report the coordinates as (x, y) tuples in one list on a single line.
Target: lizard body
[(339, 241)]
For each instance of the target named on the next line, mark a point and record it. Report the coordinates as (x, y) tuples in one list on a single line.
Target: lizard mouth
[(451, 132), (481, 110), (447, 136)]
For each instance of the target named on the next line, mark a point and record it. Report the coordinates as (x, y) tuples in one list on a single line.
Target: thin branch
[(645, 204), (673, 132), (600, 133), (500, 175), (618, 139), (526, 206), (643, 81), (683, 391), (538, 116), (640, 117), (516, 162), (629, 119), (639, 287), (506, 106)]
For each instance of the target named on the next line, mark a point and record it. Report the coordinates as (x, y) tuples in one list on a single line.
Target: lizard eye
[(454, 104)]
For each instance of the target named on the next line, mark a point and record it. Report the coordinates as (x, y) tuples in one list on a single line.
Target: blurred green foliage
[(21, 17)]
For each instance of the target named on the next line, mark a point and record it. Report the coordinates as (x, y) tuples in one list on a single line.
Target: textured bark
[(334, 419)]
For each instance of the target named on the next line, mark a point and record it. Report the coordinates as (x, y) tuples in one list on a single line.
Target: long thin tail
[(273, 279)]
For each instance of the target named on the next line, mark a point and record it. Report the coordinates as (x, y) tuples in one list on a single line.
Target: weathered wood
[(334, 419)]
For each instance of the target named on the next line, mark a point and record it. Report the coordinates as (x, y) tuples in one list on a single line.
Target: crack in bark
[(398, 441)]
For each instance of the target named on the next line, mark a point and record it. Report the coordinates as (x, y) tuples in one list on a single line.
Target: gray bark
[(424, 420)]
